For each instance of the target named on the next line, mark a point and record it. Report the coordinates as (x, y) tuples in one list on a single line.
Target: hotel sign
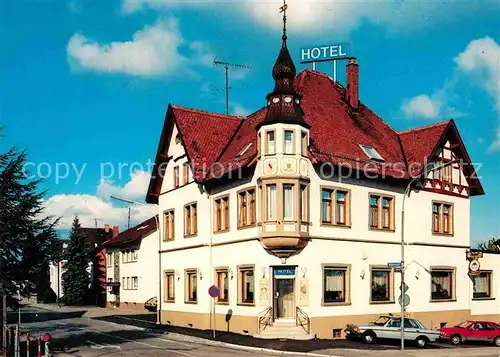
[(284, 272), (324, 53)]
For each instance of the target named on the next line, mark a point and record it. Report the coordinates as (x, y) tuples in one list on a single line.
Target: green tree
[(491, 245), (21, 216), (75, 279)]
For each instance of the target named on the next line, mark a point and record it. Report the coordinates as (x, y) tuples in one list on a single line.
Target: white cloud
[(135, 188), (152, 51), (495, 145), (240, 110), (481, 62), (421, 106), (340, 16), (89, 207)]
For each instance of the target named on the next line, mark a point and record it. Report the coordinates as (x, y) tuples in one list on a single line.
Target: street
[(74, 335), (98, 332)]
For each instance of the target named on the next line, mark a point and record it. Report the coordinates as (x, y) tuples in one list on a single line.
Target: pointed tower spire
[(284, 102)]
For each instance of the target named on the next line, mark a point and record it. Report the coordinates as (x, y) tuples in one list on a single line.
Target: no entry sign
[(214, 291)]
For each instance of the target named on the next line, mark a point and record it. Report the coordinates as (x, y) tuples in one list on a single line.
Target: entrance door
[(285, 298)]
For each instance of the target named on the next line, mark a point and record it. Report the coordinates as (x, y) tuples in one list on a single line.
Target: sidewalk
[(89, 311)]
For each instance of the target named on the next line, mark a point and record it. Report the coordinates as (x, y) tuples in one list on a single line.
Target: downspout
[(211, 277)]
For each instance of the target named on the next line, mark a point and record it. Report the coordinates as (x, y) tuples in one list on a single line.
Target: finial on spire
[(283, 10)]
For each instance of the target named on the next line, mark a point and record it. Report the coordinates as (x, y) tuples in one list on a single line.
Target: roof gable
[(133, 234)]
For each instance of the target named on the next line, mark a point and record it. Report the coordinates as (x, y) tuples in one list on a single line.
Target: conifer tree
[(76, 279)]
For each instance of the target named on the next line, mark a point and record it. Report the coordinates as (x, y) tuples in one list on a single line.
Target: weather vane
[(283, 10)]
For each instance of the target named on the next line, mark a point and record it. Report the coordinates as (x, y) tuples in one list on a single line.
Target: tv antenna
[(226, 66)]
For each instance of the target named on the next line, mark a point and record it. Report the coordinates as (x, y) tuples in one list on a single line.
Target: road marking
[(132, 341), (180, 343), (99, 346)]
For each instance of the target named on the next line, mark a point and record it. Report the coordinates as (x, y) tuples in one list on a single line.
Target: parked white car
[(390, 327)]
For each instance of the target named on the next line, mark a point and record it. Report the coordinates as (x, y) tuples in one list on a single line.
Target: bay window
[(270, 143), (288, 149)]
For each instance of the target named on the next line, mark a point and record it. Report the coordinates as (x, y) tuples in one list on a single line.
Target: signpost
[(325, 53), (214, 293)]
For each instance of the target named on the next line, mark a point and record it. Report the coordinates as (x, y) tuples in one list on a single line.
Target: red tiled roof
[(133, 234), (419, 144), (335, 135)]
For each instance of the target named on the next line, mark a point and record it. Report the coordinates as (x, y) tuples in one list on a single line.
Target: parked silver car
[(390, 327)]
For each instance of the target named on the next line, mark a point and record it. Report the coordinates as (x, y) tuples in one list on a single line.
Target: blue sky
[(88, 82)]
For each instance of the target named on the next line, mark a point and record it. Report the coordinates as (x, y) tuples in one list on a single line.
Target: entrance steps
[(285, 330)]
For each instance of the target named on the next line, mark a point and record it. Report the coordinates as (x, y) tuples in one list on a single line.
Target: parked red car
[(472, 331)]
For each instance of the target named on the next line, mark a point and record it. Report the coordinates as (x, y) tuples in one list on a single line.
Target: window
[(371, 153), (109, 260), (221, 214), (246, 208), (110, 287), (303, 143), (445, 173), (334, 206), (271, 202), (133, 255), (442, 284), (482, 285), (124, 283), (190, 220), (288, 142), (169, 286), (135, 283), (185, 173), (335, 284), (222, 282), (191, 280), (382, 285), (270, 145), (129, 286), (176, 176), (442, 218), (245, 149), (246, 285), (381, 212), (168, 225), (288, 205), (304, 203)]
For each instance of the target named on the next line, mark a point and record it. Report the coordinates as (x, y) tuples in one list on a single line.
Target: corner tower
[(283, 138)]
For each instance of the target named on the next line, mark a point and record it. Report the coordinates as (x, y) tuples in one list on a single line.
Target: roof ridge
[(225, 116), (429, 126)]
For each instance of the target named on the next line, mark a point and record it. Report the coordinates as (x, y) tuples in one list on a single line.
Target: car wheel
[(496, 341), (456, 339), (368, 337), (421, 341)]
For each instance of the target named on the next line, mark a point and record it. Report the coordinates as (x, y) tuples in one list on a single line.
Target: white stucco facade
[(355, 246)]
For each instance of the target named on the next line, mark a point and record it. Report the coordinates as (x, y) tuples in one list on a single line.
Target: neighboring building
[(295, 213), (132, 266), (94, 238)]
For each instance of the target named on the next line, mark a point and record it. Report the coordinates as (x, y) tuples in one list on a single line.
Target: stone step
[(285, 332)]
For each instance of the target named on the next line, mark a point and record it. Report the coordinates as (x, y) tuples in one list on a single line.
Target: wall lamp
[(304, 271), (263, 271), (362, 274), (230, 272), (177, 275), (200, 274)]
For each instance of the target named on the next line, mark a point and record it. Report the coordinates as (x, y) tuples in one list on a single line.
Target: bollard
[(17, 348), (39, 343), (47, 338), (27, 345)]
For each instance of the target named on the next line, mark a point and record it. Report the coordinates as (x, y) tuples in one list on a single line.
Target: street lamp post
[(158, 303), (430, 167)]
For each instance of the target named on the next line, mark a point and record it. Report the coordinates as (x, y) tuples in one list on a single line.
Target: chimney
[(352, 69), (115, 231), (106, 228)]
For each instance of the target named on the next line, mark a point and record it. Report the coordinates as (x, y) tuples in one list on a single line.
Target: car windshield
[(464, 324), (381, 321)]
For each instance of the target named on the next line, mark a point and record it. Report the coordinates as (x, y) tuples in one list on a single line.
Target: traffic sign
[(214, 291), (394, 265), (405, 288), (406, 300)]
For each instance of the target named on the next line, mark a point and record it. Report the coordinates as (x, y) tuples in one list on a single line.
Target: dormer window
[(371, 153), (288, 142), (244, 150), (270, 144)]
